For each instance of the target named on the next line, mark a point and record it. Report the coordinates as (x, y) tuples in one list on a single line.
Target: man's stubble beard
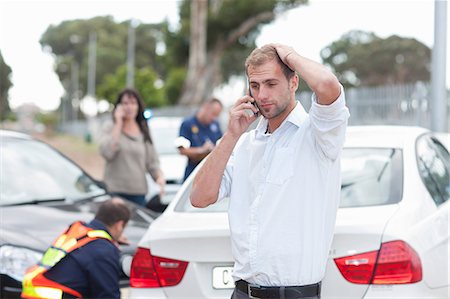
[(279, 109)]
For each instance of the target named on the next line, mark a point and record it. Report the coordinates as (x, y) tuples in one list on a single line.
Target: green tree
[(363, 59), (49, 119), (5, 85), (231, 27), (218, 35), (145, 80), (174, 84), (69, 40)]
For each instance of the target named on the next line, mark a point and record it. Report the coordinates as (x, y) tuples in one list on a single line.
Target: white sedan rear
[(391, 238)]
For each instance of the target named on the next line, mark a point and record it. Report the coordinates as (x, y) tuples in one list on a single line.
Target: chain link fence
[(388, 105)]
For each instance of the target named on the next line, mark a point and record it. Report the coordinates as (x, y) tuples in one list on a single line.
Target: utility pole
[(75, 74), (438, 65), (73, 97), (2, 109), (130, 53), (90, 94), (92, 64)]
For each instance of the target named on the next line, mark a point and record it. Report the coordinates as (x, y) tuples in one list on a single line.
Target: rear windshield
[(164, 132), (370, 177)]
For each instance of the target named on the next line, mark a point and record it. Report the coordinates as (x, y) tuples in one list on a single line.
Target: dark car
[(41, 193)]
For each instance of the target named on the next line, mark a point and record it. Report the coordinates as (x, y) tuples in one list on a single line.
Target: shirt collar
[(96, 224), (296, 117)]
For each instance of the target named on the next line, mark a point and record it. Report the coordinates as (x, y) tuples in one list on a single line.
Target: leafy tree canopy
[(232, 28), (232, 25), (145, 80), (69, 42), (363, 59)]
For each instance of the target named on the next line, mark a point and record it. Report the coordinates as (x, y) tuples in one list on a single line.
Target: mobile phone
[(254, 102)]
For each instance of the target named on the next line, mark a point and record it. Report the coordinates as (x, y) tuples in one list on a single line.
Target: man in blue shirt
[(90, 269), (199, 134)]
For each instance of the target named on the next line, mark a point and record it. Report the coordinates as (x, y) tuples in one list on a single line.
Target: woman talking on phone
[(129, 152)]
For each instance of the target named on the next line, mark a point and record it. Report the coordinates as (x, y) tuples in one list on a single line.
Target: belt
[(256, 291)]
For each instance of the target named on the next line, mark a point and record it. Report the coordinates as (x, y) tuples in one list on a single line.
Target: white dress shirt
[(284, 191)]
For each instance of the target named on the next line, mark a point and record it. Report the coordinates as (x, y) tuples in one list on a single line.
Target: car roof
[(14, 134), (383, 136), (165, 121)]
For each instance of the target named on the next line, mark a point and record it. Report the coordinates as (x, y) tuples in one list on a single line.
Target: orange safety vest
[(35, 285)]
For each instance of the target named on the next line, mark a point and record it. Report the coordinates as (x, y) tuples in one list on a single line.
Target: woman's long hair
[(140, 120)]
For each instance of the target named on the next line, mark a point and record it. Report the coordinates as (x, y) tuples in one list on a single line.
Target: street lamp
[(131, 52), (74, 78), (92, 63)]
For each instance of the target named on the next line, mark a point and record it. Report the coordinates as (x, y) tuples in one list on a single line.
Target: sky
[(308, 29)]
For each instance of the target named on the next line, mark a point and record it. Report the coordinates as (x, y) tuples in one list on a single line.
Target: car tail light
[(149, 271), (143, 273), (395, 263), (357, 268)]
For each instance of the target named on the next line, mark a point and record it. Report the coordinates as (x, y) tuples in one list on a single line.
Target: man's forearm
[(196, 154), (321, 80), (206, 185)]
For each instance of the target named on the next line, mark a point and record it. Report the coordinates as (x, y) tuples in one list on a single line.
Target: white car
[(391, 238), (164, 130)]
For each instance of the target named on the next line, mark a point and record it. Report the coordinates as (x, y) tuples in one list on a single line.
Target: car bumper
[(154, 293), (9, 287), (415, 290)]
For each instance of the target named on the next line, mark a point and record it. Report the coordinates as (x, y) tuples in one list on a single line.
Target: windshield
[(33, 171), (164, 131), (370, 176)]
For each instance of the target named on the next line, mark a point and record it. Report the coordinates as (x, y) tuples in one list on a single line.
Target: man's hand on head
[(284, 52)]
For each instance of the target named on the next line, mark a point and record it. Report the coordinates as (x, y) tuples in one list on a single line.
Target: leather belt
[(256, 291)]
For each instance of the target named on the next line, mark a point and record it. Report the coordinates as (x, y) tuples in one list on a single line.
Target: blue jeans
[(137, 199)]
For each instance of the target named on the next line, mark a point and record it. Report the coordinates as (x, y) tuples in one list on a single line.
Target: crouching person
[(84, 261)]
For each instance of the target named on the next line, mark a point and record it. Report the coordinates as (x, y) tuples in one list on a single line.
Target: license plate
[(222, 278)]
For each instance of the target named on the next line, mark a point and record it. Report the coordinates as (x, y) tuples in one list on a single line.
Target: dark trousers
[(238, 294), (138, 199)]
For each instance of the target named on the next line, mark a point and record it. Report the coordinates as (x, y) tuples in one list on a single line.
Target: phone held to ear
[(254, 101), (256, 105)]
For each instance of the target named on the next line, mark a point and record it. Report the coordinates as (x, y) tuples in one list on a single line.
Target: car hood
[(37, 226)]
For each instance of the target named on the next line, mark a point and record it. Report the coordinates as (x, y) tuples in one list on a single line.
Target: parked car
[(155, 202), (164, 131), (391, 237), (41, 193)]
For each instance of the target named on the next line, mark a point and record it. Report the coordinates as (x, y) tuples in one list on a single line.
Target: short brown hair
[(214, 100), (112, 211), (260, 56)]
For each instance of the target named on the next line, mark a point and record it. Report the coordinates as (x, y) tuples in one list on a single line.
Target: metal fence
[(388, 105)]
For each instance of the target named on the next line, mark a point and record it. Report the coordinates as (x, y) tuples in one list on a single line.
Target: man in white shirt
[(283, 178)]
